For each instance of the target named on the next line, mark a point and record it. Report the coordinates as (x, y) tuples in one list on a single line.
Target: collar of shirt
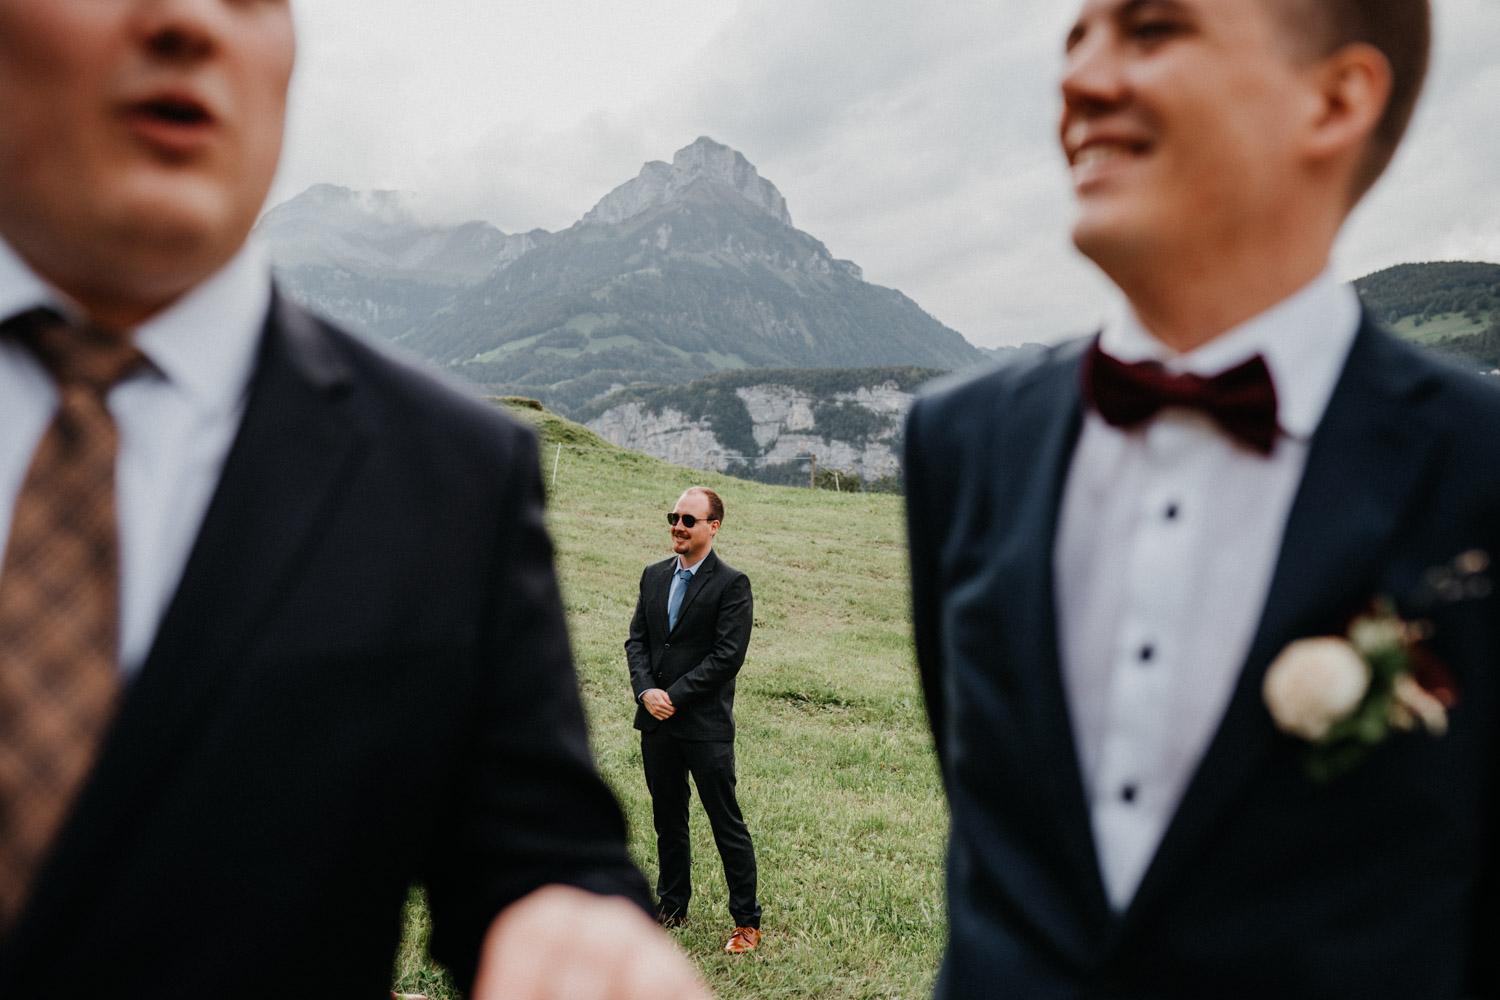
[(20, 288), (204, 343), (693, 569), (1304, 339)]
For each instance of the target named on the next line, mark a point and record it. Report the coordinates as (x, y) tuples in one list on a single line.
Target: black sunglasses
[(687, 520)]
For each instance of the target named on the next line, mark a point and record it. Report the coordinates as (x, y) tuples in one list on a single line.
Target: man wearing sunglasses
[(687, 642)]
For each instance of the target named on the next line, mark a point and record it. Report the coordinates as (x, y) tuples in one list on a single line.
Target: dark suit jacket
[(1380, 884), (697, 661), (363, 681)]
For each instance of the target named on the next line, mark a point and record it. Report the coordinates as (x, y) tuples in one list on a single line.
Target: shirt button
[(1171, 512), (1147, 653), (1127, 793)]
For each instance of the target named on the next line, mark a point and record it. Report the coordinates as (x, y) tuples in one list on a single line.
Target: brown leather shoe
[(742, 940)]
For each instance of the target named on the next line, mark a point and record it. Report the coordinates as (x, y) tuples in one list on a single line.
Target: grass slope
[(1435, 329), (836, 774)]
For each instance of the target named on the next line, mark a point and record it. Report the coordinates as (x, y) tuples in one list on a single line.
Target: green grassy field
[(836, 774), (1446, 325)]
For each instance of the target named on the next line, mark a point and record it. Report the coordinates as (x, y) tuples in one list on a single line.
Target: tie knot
[(684, 575), (86, 356)]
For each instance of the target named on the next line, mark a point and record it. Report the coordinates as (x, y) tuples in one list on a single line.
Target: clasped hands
[(658, 703)]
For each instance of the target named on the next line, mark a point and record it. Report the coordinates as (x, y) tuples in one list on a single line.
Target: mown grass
[(836, 775), (1435, 329)]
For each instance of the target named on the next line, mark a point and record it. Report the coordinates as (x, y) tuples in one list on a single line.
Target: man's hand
[(658, 703), (561, 943)]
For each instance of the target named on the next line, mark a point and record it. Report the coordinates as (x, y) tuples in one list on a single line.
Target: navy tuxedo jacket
[(1379, 884), (696, 662), (363, 681)]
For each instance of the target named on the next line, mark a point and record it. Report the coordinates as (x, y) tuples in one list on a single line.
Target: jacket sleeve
[(921, 547), (732, 636), (529, 808), (638, 645)]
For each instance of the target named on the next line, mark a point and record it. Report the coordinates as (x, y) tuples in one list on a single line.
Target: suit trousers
[(668, 762)]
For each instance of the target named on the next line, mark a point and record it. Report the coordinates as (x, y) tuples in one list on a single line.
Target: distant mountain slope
[(1450, 307), (363, 257), (1429, 301), (690, 268)]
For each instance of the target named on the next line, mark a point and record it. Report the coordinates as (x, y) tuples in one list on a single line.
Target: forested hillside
[(1450, 307)]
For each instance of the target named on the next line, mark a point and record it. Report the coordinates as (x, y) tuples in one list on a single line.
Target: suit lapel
[(1041, 439), (696, 584), (1365, 463), (296, 445)]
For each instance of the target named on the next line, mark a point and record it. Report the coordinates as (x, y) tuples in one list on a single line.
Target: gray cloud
[(917, 141)]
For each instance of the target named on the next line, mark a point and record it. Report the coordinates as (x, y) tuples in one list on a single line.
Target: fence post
[(555, 460), (812, 475)]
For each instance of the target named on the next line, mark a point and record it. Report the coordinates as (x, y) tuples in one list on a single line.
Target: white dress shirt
[(176, 422), (1168, 537)]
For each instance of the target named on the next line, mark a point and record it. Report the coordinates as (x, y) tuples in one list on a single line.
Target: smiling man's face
[(1180, 123), (692, 544), (139, 140)]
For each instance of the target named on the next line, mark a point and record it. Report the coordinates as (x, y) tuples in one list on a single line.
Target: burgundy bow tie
[(1242, 400)]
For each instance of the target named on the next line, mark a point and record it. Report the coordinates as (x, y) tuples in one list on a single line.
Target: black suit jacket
[(696, 662), (1380, 884), (362, 681)]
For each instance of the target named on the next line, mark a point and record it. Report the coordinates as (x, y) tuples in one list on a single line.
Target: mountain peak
[(331, 203), (705, 160)]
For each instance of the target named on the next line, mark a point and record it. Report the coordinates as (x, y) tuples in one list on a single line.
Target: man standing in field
[(687, 642), (1156, 790), (279, 630)]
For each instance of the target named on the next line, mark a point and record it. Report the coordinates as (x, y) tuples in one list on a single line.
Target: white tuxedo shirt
[(1167, 539)]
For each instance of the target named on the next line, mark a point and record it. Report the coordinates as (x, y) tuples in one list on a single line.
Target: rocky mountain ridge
[(365, 258), (704, 160), (690, 268)]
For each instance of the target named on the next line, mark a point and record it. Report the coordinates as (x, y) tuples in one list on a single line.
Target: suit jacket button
[(666, 645)]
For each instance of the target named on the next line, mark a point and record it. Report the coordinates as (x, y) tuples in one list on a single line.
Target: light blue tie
[(674, 596)]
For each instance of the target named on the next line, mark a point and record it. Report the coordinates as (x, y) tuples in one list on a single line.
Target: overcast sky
[(915, 139)]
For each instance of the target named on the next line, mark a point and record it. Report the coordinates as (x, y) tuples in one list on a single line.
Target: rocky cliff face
[(770, 425)]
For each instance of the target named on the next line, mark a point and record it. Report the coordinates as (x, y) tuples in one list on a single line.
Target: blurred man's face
[(138, 138), (1179, 121)]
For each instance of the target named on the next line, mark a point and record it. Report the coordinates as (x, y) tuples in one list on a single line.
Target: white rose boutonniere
[(1315, 683), (1344, 695)]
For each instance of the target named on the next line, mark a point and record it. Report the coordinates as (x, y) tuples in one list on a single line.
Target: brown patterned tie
[(59, 591)]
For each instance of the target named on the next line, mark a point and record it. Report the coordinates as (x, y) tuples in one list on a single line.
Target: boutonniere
[(1345, 694)]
